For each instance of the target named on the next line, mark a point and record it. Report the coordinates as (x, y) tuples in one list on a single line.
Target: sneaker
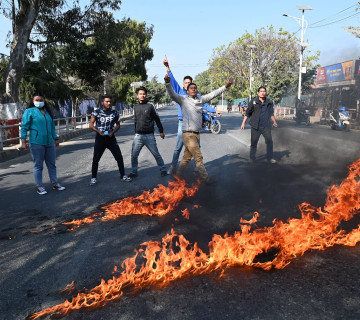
[(58, 186), (93, 181), (273, 161), (41, 190), (132, 175), (164, 173), (171, 170), (126, 179)]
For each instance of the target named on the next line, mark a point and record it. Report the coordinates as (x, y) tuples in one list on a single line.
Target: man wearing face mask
[(38, 120)]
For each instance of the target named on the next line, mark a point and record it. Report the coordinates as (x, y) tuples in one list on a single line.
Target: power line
[(333, 14), (323, 25)]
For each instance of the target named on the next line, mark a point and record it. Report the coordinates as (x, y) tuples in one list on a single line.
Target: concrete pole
[(250, 82), (301, 54)]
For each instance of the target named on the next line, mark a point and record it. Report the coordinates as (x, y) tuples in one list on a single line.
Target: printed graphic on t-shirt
[(105, 121)]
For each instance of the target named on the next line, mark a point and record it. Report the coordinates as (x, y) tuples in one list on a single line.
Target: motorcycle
[(302, 116), (211, 123), (340, 119)]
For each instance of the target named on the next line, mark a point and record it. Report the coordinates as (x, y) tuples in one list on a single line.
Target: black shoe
[(164, 173), (132, 175)]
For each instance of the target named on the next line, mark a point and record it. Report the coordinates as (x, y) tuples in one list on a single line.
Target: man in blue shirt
[(181, 91), (106, 122), (260, 111)]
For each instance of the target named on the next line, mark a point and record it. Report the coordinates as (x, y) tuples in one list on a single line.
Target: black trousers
[(102, 143), (255, 136)]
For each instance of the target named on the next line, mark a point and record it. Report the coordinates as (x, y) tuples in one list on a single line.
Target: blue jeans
[(255, 136), (149, 141), (41, 153), (179, 145)]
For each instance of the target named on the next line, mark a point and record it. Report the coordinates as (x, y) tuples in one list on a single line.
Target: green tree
[(111, 60), (37, 24), (156, 91), (129, 51), (274, 62), (4, 65), (37, 79)]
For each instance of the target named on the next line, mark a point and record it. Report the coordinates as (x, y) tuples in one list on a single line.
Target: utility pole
[(252, 46), (303, 45)]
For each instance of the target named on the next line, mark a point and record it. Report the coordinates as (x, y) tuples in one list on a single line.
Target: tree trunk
[(23, 23)]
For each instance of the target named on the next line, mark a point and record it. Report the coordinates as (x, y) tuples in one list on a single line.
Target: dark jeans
[(255, 136), (102, 143)]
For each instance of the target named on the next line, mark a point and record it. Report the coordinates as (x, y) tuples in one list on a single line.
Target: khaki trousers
[(191, 142)]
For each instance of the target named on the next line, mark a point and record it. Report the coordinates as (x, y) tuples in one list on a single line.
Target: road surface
[(36, 266)]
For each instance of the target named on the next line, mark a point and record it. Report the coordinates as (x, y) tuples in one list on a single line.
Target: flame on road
[(159, 202), (158, 263)]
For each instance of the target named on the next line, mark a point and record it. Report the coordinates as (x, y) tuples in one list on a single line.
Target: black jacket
[(145, 115), (254, 109)]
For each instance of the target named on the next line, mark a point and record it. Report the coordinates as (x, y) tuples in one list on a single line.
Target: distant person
[(106, 122), (43, 139), (229, 106), (145, 116), (191, 107), (260, 111), (181, 91)]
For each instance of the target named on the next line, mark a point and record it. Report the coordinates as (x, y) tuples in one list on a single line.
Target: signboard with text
[(337, 72)]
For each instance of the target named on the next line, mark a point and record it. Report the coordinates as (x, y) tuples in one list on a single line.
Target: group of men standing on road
[(106, 122), (191, 105)]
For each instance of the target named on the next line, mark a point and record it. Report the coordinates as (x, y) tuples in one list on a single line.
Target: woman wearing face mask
[(37, 119)]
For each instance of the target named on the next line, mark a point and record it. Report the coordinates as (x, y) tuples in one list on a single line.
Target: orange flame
[(69, 288), (186, 213), (160, 201), (174, 257)]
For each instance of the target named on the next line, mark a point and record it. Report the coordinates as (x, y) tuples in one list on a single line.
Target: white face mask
[(39, 104)]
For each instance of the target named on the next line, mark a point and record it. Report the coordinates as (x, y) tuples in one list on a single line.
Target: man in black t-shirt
[(106, 122), (145, 116), (260, 112)]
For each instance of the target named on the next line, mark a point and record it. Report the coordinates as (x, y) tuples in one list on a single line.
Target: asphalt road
[(34, 267)]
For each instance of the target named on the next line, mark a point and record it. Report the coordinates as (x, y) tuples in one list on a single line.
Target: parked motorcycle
[(340, 119), (302, 115), (211, 123)]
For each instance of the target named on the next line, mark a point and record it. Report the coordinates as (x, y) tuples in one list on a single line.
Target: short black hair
[(105, 96), (141, 88), (191, 84), (262, 87), (188, 77)]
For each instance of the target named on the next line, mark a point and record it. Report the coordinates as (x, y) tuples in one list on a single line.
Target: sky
[(188, 31)]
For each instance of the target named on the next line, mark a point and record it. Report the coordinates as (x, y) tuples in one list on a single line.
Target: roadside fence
[(63, 126)]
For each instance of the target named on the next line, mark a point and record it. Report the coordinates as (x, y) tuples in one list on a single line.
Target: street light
[(303, 45), (251, 46)]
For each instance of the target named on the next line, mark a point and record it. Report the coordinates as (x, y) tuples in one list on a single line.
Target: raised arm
[(174, 96), (173, 82), (215, 93)]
